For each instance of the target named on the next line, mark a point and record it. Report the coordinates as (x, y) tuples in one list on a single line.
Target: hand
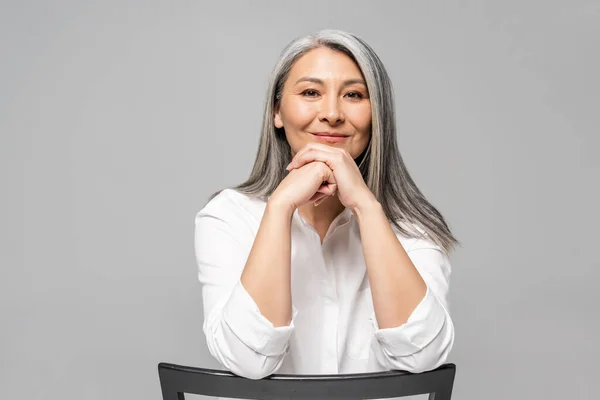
[(351, 187), (311, 183)]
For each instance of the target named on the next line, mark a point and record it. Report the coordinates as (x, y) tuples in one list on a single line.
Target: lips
[(330, 137), (330, 134)]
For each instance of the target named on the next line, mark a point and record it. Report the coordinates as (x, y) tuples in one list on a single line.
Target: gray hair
[(381, 164)]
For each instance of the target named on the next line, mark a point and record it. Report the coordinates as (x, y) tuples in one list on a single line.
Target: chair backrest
[(175, 380)]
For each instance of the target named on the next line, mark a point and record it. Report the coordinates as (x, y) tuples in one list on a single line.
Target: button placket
[(331, 311), (342, 219)]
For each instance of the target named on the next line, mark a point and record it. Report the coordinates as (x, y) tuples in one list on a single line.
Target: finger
[(330, 158), (328, 184), (318, 146), (300, 152), (319, 201), (305, 156), (328, 189), (316, 197)]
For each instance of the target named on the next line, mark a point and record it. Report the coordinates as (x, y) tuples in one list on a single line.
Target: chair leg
[(173, 395), (443, 393)]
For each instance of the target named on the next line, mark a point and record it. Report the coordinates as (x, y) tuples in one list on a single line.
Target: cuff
[(243, 317), (423, 325)]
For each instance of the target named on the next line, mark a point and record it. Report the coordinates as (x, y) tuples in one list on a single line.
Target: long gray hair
[(381, 164)]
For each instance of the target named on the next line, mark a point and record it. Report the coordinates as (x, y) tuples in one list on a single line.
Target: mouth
[(330, 137)]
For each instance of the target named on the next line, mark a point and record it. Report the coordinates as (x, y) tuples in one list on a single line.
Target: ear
[(277, 120)]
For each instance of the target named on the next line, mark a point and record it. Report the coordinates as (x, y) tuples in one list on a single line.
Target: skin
[(328, 173), (325, 92)]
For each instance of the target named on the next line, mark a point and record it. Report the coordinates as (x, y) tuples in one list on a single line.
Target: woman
[(328, 259)]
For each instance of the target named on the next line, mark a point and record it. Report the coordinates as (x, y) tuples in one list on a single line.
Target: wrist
[(278, 205), (365, 206)]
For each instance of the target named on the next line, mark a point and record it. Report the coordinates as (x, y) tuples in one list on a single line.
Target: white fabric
[(333, 329)]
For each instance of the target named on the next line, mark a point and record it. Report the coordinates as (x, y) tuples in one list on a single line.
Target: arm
[(267, 274), (414, 331), (238, 334)]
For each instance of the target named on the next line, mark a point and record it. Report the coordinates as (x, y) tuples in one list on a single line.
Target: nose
[(330, 111)]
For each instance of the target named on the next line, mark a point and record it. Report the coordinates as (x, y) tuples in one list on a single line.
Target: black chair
[(175, 380)]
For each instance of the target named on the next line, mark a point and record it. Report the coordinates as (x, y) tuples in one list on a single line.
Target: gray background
[(118, 119)]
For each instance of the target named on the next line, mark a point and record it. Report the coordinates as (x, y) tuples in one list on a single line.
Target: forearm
[(267, 273), (396, 285)]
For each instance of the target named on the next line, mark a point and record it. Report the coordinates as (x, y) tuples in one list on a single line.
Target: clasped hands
[(349, 184)]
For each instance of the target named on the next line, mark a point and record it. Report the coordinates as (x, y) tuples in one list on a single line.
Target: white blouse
[(333, 328)]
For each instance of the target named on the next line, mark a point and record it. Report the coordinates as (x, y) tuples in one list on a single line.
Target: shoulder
[(416, 239), (234, 207)]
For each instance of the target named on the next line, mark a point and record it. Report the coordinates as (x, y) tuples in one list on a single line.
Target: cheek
[(297, 115), (361, 119)]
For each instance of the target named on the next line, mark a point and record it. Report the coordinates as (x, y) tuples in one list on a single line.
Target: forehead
[(324, 63)]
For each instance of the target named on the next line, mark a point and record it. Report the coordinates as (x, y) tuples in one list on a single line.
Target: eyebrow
[(320, 81)]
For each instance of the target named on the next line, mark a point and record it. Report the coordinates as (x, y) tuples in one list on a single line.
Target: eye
[(310, 93), (354, 95)]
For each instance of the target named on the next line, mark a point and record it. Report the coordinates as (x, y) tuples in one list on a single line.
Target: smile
[(329, 137)]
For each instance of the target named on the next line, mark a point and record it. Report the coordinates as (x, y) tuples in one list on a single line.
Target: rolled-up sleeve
[(243, 318), (425, 340), (237, 334)]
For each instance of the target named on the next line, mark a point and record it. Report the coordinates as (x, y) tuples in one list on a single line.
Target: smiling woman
[(328, 259), (330, 104)]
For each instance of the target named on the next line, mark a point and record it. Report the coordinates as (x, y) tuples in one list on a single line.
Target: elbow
[(428, 358), (435, 353), (425, 360), (247, 363), (238, 358), (256, 370)]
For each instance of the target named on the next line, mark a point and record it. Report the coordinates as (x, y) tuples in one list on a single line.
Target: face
[(325, 95)]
